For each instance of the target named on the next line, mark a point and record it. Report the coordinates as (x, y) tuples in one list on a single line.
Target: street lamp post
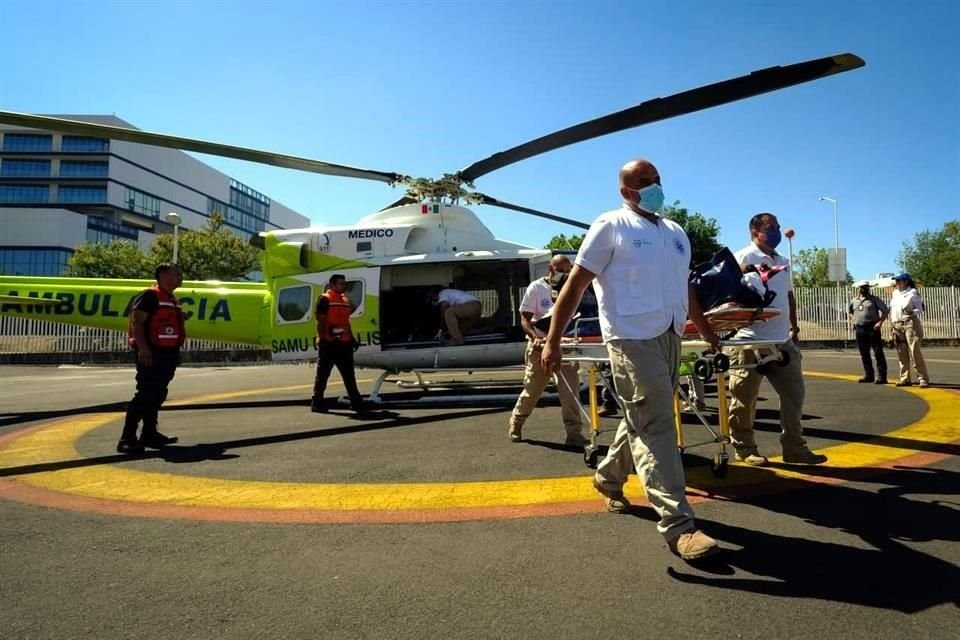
[(836, 223), (174, 219), (836, 246)]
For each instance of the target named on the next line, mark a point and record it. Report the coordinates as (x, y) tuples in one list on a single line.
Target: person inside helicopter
[(459, 311)]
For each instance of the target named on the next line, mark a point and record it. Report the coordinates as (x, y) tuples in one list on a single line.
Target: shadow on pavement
[(887, 571), (218, 450)]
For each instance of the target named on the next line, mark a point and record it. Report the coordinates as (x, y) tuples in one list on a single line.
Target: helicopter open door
[(295, 301)]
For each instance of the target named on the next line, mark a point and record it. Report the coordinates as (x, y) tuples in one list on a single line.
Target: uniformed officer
[(640, 265), (537, 301), (156, 332), (336, 345), (867, 313)]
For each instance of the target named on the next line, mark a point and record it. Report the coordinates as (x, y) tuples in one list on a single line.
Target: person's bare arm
[(526, 323), (699, 321), (563, 310)]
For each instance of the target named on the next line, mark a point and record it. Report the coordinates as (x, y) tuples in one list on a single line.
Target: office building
[(58, 191)]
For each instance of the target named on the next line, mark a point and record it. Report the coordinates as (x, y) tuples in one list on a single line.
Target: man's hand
[(877, 326), (550, 357), (537, 343), (795, 334), (144, 356), (712, 339)]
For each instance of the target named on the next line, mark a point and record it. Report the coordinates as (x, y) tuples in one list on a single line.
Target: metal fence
[(821, 311)]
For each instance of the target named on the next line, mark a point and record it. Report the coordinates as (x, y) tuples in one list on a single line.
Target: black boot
[(129, 446), (156, 440)]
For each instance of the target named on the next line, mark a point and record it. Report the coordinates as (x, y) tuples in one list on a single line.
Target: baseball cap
[(903, 275)]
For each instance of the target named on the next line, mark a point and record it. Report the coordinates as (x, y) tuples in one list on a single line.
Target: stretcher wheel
[(721, 362), (784, 359), (702, 369), (718, 466), (591, 455)]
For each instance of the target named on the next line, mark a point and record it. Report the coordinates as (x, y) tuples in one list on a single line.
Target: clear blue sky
[(427, 87)]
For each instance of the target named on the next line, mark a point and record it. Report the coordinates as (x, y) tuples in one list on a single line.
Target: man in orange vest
[(156, 332), (336, 344)]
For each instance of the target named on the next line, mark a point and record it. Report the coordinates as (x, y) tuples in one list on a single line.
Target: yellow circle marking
[(55, 444)]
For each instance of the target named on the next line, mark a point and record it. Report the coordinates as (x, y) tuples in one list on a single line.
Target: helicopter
[(392, 259)]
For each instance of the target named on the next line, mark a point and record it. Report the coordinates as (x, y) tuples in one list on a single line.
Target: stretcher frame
[(592, 351)]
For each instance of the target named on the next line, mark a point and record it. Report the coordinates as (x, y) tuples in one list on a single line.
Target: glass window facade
[(141, 203), (82, 144), (82, 194), (24, 193), (33, 262), (83, 169), (24, 168), (27, 142), (245, 222), (101, 231)]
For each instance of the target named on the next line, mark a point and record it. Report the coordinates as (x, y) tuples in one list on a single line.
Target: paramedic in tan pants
[(787, 380), (639, 263), (905, 307), (459, 311), (537, 301)]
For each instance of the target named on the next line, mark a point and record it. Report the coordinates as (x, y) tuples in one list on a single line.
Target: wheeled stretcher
[(696, 358)]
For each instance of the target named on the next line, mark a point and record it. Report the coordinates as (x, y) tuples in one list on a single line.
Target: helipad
[(47, 465)]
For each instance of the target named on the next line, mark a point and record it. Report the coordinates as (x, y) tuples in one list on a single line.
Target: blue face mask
[(772, 238), (651, 198)]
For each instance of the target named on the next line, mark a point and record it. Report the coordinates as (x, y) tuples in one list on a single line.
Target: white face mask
[(556, 277)]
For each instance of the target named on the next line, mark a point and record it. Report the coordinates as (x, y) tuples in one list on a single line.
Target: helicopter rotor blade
[(706, 97), (482, 198), (77, 127), (399, 203)]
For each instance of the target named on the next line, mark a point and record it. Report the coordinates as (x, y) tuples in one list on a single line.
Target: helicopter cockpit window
[(363, 247), (294, 304), (354, 293)]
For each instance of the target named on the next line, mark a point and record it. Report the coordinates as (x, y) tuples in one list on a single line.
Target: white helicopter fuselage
[(394, 261)]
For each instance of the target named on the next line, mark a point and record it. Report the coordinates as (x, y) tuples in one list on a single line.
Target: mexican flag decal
[(429, 208)]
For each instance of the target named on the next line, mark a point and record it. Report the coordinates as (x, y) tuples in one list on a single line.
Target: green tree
[(565, 243), (811, 268), (211, 253), (119, 259), (933, 257), (702, 231)]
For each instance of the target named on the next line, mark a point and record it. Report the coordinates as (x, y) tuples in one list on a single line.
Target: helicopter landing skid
[(446, 391)]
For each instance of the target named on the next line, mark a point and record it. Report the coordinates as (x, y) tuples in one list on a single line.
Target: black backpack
[(720, 280)]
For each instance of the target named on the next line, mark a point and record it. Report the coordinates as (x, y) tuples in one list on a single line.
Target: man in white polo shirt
[(640, 265), (787, 380), (459, 311), (537, 301)]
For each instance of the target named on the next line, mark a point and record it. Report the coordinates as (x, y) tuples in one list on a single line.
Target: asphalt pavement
[(269, 521)]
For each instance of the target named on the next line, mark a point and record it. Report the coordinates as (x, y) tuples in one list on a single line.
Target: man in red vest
[(336, 344), (156, 332)]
